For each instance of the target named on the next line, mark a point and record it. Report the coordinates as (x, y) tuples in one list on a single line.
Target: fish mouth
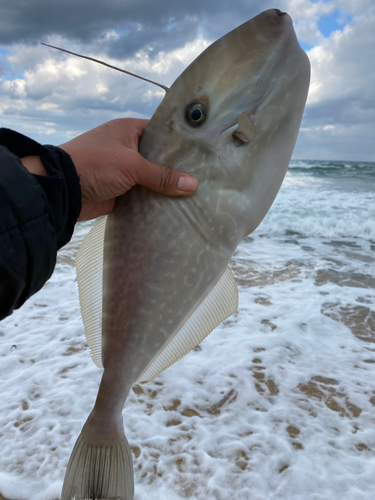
[(279, 12)]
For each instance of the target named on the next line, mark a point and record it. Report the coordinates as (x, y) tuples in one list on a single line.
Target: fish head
[(232, 117)]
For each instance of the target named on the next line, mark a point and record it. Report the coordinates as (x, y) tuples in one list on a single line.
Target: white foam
[(307, 206), (278, 403)]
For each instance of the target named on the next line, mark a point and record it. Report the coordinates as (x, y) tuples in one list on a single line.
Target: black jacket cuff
[(37, 216), (61, 186)]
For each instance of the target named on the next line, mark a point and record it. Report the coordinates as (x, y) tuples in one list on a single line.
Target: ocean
[(277, 403)]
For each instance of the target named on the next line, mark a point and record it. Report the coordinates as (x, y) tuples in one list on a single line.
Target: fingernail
[(187, 183)]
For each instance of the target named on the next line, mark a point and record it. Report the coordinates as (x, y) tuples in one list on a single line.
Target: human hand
[(108, 164)]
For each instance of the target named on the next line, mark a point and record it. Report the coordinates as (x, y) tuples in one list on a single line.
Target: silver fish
[(153, 276)]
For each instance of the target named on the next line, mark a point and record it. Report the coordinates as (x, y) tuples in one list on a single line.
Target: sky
[(53, 97)]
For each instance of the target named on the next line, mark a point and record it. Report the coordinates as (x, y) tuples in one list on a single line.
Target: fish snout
[(275, 17), (274, 23)]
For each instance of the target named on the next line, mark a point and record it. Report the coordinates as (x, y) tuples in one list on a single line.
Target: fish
[(153, 275)]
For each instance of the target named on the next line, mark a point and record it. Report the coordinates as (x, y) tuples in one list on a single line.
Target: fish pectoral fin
[(246, 129), (89, 268), (218, 305)]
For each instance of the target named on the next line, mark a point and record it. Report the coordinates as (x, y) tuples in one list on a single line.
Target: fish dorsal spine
[(108, 65)]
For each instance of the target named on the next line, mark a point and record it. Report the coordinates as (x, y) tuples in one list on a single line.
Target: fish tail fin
[(100, 467)]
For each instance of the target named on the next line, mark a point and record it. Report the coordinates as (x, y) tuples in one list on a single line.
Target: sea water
[(277, 403)]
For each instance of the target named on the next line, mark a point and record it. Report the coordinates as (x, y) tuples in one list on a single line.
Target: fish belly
[(159, 264)]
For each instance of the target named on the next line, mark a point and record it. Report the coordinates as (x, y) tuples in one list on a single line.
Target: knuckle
[(166, 179)]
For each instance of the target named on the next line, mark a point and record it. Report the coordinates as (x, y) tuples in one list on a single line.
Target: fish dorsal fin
[(220, 303), (89, 267)]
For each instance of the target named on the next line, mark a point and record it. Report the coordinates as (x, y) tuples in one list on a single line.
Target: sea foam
[(277, 403)]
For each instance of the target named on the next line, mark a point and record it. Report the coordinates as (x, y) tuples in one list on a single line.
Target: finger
[(128, 126), (164, 180)]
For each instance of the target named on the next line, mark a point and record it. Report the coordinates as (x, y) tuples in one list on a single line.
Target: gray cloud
[(351, 143), (85, 20), (3, 67), (144, 25), (341, 129), (340, 111), (58, 96), (139, 25), (152, 39)]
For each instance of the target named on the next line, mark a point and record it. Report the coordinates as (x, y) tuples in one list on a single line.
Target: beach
[(277, 403)]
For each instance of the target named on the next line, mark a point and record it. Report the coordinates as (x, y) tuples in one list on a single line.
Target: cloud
[(306, 17), (341, 96), (342, 63), (39, 86), (86, 21), (76, 95)]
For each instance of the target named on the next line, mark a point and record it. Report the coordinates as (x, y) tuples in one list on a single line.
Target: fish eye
[(195, 113)]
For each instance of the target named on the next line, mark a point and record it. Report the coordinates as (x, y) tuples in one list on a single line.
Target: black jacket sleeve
[(37, 216)]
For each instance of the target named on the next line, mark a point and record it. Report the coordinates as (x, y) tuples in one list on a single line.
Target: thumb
[(165, 180)]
